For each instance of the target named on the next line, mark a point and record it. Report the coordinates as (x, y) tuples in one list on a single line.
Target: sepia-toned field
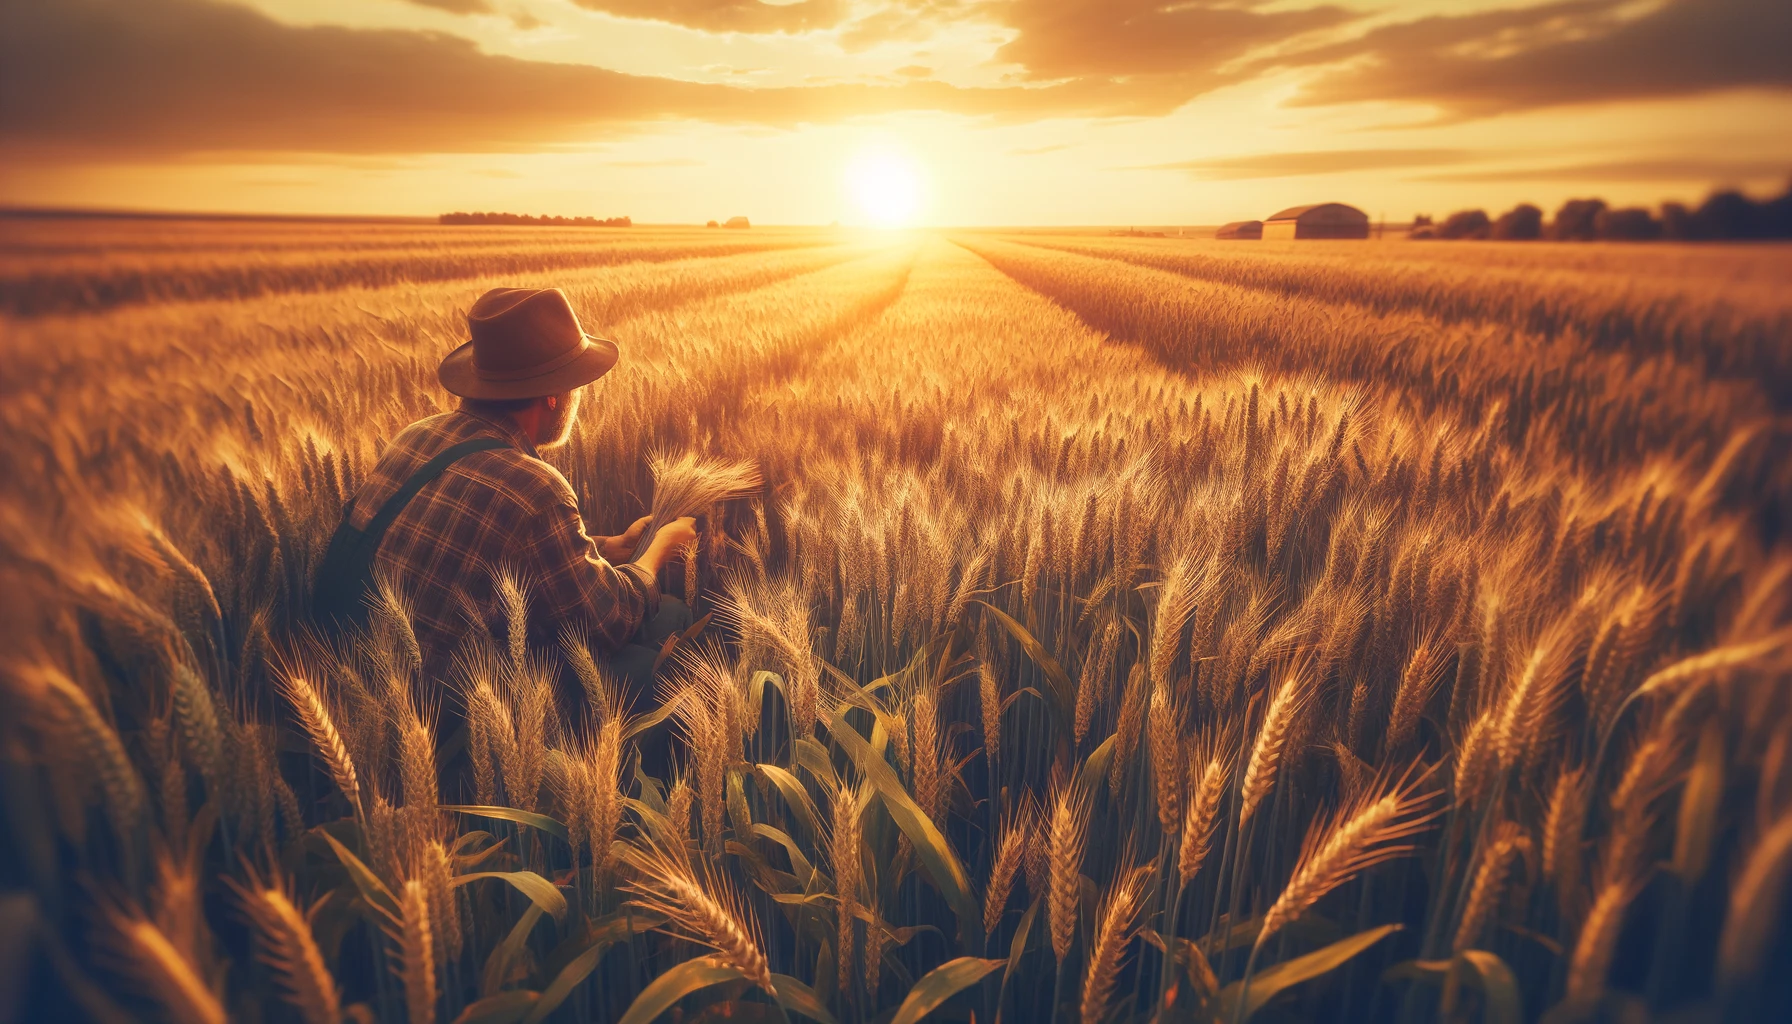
[(1127, 630)]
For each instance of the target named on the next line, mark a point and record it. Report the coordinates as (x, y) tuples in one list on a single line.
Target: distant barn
[(1241, 229), (1321, 220)]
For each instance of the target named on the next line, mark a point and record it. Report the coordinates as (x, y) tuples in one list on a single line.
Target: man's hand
[(620, 547), (672, 539)]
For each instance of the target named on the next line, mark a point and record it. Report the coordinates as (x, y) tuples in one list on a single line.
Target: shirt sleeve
[(574, 584)]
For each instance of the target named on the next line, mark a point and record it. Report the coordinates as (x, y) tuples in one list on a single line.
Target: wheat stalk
[(1592, 957)]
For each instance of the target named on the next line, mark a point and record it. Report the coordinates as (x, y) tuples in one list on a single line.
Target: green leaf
[(372, 889), (497, 963), (546, 894), (941, 984), (675, 984), (797, 997), (942, 864), (503, 1008), (529, 818), (1269, 983), (1063, 691)]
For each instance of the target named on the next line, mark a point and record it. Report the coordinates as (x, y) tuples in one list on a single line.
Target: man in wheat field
[(463, 495)]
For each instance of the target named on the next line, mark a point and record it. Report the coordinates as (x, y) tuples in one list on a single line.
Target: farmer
[(461, 495)]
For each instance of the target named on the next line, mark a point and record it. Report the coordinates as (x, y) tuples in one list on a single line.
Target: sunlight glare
[(886, 186)]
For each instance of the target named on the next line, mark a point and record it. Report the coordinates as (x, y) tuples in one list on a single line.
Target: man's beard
[(557, 429)]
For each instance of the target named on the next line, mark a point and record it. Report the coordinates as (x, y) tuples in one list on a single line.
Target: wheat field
[(1124, 630)]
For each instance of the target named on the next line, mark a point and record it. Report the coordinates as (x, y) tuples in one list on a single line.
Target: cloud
[(457, 6), (726, 15), (1712, 169), (1190, 40), (1567, 52), (165, 77), (1323, 161), (915, 71), (655, 163), (1039, 150)]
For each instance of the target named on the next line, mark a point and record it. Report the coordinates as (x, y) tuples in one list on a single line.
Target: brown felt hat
[(527, 343)]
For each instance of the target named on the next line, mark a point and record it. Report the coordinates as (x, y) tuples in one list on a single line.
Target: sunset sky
[(1007, 112)]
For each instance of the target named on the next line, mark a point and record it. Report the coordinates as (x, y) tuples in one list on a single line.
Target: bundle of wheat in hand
[(687, 484)]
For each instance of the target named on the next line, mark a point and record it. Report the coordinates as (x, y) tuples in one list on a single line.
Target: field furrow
[(1733, 326)]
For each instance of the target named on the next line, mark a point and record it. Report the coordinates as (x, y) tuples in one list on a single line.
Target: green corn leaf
[(372, 889), (941, 984), (1269, 983), (503, 1008), (1063, 691), (797, 997), (529, 818), (682, 980), (497, 964), (942, 865), (544, 893)]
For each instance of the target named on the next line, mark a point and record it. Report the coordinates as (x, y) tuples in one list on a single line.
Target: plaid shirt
[(503, 508)]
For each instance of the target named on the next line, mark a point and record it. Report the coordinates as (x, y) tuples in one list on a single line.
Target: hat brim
[(461, 377)]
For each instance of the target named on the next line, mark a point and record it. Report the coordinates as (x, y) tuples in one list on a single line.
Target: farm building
[(1241, 229), (1320, 220)]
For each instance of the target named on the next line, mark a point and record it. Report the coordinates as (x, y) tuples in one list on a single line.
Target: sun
[(886, 186)]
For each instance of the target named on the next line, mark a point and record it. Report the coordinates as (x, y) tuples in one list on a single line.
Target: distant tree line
[(1725, 216), (523, 218)]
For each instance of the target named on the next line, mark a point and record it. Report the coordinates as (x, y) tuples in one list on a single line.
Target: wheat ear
[(286, 944), (1009, 850), (1164, 720), (1592, 957), (1338, 848), (157, 965), (1755, 903), (847, 839), (314, 717), (1266, 753), (1069, 831), (699, 905), (1119, 912), (416, 944), (1203, 814), (1490, 878)]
